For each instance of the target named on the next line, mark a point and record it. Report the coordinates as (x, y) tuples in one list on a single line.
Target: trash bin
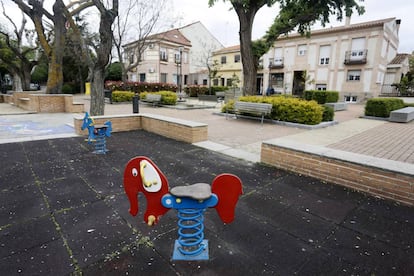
[(135, 103)]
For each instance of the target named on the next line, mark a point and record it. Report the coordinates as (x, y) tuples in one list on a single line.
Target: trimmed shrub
[(382, 107), (68, 88), (287, 109), (328, 114), (167, 97), (321, 97), (122, 96)]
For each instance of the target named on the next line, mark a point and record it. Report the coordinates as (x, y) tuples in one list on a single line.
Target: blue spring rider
[(97, 133)]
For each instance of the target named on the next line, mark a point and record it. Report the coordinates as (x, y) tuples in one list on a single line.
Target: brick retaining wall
[(46, 103), (384, 178), (181, 130)]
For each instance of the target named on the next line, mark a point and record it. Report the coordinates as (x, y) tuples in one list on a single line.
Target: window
[(324, 53), (302, 50), (354, 75), (163, 54), (215, 82), (131, 58), (164, 77), (350, 99), (177, 58), (229, 82), (321, 87), (142, 77), (236, 58), (277, 80), (223, 60), (204, 81)]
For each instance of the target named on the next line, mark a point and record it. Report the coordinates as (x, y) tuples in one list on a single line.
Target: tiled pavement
[(393, 141)]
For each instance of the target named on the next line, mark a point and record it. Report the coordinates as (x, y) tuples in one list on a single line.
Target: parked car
[(34, 86)]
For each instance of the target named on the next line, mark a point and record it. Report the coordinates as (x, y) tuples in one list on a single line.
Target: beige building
[(354, 59), (229, 66), (165, 58)]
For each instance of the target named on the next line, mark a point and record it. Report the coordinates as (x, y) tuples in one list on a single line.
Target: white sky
[(223, 22)]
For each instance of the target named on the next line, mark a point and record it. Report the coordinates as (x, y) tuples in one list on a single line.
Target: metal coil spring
[(100, 144), (191, 231)]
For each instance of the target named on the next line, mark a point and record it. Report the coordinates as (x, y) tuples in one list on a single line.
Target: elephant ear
[(142, 175), (228, 189)]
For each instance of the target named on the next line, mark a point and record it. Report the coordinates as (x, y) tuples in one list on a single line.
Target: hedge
[(382, 107), (286, 109), (138, 87), (122, 96), (167, 97), (195, 90), (321, 97)]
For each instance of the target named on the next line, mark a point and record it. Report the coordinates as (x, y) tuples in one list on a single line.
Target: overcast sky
[(223, 23)]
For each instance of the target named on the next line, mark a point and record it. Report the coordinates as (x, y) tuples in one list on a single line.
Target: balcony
[(276, 63), (356, 57)]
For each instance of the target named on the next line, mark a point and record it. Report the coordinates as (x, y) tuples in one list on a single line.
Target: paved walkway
[(239, 138)]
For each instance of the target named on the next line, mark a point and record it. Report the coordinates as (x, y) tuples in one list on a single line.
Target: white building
[(354, 59)]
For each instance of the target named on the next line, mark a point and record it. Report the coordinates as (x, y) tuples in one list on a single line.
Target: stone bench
[(403, 115), (338, 106), (261, 109)]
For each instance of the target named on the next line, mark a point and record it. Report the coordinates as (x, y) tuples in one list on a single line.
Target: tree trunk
[(103, 52), (55, 76), (17, 83), (249, 61), (97, 92)]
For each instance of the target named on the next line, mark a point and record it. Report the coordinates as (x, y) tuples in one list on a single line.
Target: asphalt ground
[(63, 211)]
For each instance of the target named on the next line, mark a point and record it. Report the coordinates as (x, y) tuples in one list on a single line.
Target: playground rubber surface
[(63, 210)]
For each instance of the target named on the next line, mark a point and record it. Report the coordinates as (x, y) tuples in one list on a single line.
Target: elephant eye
[(134, 172)]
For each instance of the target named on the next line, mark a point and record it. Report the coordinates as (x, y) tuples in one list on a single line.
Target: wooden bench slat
[(253, 108), (153, 98)]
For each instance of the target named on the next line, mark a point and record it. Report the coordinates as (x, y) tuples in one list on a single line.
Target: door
[(298, 83)]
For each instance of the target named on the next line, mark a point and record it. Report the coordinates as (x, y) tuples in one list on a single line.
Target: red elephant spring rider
[(142, 175)]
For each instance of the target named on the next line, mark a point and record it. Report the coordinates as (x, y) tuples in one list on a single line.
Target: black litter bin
[(135, 103)]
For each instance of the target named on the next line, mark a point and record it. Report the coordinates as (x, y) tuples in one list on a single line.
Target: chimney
[(398, 22), (347, 21)]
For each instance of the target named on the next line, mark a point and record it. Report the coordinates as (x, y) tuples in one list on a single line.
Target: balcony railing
[(276, 63), (356, 57)]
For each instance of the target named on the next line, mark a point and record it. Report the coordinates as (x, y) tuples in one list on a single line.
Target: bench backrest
[(153, 97), (264, 108)]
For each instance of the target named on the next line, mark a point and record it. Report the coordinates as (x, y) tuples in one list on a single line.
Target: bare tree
[(22, 60), (138, 21)]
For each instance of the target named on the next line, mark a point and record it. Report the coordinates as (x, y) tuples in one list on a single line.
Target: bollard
[(135, 103)]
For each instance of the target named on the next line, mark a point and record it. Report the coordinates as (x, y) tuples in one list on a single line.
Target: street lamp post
[(180, 49)]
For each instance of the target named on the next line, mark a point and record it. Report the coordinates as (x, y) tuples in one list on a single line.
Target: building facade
[(353, 59), (203, 44), (229, 67), (178, 56), (164, 59)]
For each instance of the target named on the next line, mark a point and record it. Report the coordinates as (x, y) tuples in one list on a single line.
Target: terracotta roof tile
[(399, 58)]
